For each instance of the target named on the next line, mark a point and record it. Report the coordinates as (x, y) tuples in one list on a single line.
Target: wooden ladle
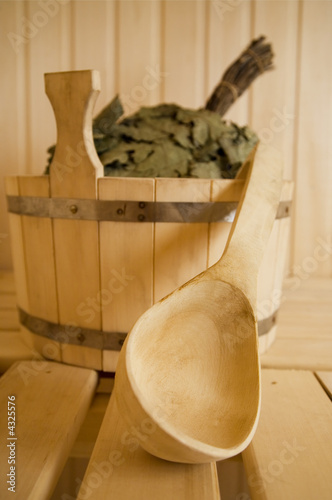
[(188, 378)]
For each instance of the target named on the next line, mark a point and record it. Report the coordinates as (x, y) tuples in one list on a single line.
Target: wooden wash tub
[(92, 253)]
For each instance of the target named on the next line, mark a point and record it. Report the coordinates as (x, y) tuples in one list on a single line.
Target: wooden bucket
[(92, 253)]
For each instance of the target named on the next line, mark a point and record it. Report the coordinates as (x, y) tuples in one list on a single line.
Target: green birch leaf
[(208, 170)]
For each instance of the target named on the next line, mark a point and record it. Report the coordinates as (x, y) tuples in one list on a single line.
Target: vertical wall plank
[(313, 186), (227, 36), (184, 52), (13, 111), (274, 93), (44, 55), (225, 191), (139, 75), (93, 43), (192, 42)]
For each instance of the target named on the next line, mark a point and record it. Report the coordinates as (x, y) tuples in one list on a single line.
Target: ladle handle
[(75, 166), (254, 220)]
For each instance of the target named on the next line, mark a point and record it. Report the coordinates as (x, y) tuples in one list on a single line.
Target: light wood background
[(155, 51)]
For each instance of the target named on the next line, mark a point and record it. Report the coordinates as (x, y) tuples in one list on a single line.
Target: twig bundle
[(254, 60)]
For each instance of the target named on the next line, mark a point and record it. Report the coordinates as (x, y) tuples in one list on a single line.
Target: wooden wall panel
[(228, 33), (312, 245), (45, 53), (273, 103), (138, 73), (93, 43), (13, 111), (187, 45), (184, 52)]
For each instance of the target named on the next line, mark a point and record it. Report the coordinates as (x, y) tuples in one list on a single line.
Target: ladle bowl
[(188, 378)]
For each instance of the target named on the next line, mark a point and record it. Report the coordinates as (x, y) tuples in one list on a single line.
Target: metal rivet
[(141, 217), (81, 337), (73, 209), (119, 211), (141, 204)]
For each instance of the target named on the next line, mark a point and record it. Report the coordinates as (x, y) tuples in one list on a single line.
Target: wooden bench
[(60, 409), (290, 456)]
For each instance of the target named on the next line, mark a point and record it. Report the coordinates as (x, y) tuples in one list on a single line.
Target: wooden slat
[(51, 401), (273, 105), (290, 456), (181, 249), (305, 319), (119, 468), (7, 282), (45, 53), (40, 265), (223, 20), (39, 253), (92, 29), (9, 319), (13, 112), (89, 430), (18, 255), (14, 346), (126, 259), (184, 42), (325, 378), (139, 76), (311, 354), (314, 180)]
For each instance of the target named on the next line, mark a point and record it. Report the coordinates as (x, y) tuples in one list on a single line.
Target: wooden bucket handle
[(75, 166)]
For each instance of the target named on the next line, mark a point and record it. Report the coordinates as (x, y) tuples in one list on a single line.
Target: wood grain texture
[(313, 178), (76, 242), (325, 379), (16, 231), (44, 392), (126, 260), (44, 52), (93, 42), (139, 73), (299, 353), (223, 20), (290, 455), (184, 61), (15, 346), (181, 249), (39, 254), (121, 39), (120, 468), (274, 118), (13, 117)]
